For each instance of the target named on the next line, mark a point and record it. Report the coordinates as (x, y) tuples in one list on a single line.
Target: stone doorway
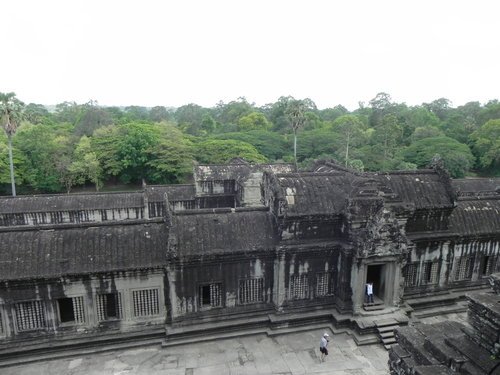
[(376, 275)]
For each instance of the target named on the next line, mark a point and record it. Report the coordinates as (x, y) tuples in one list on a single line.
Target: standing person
[(323, 346), (369, 292)]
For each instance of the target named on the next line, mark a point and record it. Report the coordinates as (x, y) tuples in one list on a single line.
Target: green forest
[(72, 146)]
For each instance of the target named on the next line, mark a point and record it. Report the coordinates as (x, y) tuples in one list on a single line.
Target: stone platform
[(287, 354)]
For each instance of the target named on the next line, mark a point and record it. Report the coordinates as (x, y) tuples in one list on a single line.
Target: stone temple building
[(245, 247)]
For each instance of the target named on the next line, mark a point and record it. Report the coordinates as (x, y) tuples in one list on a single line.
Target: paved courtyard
[(292, 354)]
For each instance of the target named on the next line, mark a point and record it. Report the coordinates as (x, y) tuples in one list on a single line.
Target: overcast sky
[(178, 52)]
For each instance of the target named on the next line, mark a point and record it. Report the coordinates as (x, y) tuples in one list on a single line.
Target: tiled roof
[(315, 193), (476, 217), (70, 202), (210, 232), (65, 251), (476, 185), (156, 193), (425, 188)]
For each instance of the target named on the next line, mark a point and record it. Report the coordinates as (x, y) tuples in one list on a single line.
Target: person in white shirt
[(323, 346), (369, 293)]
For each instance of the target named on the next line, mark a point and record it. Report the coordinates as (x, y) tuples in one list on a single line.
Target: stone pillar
[(358, 277), (171, 276), (444, 264), (279, 292)]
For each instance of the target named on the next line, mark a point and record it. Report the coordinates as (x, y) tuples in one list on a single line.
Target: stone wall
[(450, 347)]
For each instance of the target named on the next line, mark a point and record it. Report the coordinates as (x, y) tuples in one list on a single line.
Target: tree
[(331, 114), (11, 112), (157, 153), (440, 107), (231, 112), (190, 118), (296, 114), (426, 132), (159, 114), (214, 151), (276, 113), (45, 150), (380, 105), (317, 143), (387, 135), (486, 145), (85, 165), (456, 156), (92, 117), (253, 121), (36, 113), (350, 131), (270, 144)]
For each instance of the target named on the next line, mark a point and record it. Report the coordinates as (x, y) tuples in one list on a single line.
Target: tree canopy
[(73, 146)]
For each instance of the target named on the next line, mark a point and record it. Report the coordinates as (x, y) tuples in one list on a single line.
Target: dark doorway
[(66, 312), (205, 295), (375, 275), (111, 306)]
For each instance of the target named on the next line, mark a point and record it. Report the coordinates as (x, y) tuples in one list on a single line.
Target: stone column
[(358, 276), (279, 292), (171, 276)]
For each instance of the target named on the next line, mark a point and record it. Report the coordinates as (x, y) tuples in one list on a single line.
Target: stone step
[(374, 307), (386, 322), (215, 336), (222, 324), (441, 310), (389, 341), (386, 335), (388, 346), (387, 328), (52, 353)]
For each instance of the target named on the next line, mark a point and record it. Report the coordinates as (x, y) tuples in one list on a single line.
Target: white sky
[(178, 52)]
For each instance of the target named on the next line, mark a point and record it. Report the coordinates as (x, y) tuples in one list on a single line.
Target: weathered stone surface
[(248, 240), (455, 348)]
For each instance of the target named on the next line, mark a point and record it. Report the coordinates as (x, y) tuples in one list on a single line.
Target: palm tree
[(11, 111), (295, 111)]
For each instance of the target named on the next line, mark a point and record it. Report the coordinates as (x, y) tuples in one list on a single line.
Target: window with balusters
[(299, 286), (251, 291), (463, 267), (109, 306), (410, 274), (71, 310), (30, 316), (324, 285), (211, 295), (146, 302), (430, 273)]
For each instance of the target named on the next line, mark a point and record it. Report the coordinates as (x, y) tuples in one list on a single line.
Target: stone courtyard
[(287, 354), (295, 353)]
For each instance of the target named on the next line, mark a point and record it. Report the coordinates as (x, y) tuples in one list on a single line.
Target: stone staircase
[(385, 331), (377, 304)]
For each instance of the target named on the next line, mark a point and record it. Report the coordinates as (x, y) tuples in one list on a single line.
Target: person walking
[(323, 346)]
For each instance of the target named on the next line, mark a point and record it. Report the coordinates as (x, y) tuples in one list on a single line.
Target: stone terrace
[(295, 353)]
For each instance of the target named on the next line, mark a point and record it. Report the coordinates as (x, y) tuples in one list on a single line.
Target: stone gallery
[(244, 247)]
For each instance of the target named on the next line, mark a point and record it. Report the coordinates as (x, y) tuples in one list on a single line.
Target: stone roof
[(236, 171), (156, 193), (477, 184), (423, 188), (220, 231), (476, 217), (315, 193), (81, 250), (70, 202)]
